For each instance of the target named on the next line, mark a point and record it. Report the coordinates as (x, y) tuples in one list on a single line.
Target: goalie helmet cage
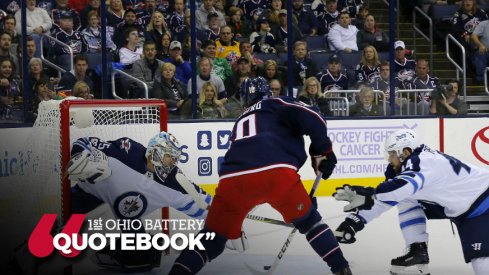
[(108, 120)]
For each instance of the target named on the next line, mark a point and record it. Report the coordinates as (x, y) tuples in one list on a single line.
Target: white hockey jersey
[(461, 189)]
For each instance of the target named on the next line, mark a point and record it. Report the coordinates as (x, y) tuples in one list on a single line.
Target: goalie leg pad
[(192, 261), (322, 240), (89, 166)]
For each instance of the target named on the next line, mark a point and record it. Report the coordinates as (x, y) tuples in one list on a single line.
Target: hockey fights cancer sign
[(70, 242)]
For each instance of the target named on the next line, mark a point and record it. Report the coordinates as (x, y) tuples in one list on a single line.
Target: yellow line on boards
[(326, 187)]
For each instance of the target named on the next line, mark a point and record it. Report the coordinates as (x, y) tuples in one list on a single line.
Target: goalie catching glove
[(324, 163), (345, 233), (359, 198), (89, 166)]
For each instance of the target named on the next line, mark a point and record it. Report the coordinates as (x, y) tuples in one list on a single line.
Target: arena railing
[(407, 101), (351, 96), (417, 30), (51, 64), (339, 106), (485, 81), (459, 69), (117, 71), (398, 28)]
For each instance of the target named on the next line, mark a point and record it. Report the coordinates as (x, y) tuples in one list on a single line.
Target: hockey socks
[(324, 243)]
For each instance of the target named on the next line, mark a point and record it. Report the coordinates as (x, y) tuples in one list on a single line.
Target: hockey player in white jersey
[(429, 182), (134, 181)]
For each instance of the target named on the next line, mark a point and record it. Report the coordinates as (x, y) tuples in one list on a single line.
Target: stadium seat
[(383, 56), (95, 59), (320, 59), (316, 43), (350, 60), (266, 56), (443, 12), (282, 58)]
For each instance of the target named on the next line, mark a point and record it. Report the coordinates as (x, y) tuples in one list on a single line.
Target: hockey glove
[(324, 163), (89, 166), (345, 233), (390, 173), (359, 198)]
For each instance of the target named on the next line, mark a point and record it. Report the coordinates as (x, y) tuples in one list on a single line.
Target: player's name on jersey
[(147, 224)]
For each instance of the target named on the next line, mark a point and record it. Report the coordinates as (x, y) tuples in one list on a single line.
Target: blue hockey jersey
[(270, 133)]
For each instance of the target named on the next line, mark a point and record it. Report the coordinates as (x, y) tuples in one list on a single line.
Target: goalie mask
[(253, 90), (164, 152), (399, 140)]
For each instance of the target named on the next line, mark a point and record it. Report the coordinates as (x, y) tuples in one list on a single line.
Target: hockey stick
[(285, 246), (190, 189), (268, 220)]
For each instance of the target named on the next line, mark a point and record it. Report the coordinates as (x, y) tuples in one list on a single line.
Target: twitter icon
[(223, 138)]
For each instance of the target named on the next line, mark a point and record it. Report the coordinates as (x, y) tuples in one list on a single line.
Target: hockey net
[(60, 123)]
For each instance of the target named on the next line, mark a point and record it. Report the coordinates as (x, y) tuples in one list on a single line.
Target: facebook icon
[(204, 140), (205, 166)]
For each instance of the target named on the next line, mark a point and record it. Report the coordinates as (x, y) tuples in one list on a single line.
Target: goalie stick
[(287, 242), (190, 189)]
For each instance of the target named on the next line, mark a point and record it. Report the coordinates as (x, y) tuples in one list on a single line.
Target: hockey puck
[(267, 267)]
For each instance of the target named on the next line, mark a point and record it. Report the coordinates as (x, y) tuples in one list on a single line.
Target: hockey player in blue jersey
[(120, 171), (429, 183), (267, 150)]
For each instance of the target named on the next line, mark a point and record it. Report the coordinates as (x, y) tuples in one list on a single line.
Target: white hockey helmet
[(160, 145), (401, 139)]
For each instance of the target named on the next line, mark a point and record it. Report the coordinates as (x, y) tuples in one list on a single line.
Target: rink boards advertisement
[(358, 145)]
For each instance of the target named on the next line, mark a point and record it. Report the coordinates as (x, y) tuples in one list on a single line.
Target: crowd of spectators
[(238, 39)]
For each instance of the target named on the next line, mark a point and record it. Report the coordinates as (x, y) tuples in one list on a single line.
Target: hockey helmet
[(253, 90), (160, 145), (401, 139)]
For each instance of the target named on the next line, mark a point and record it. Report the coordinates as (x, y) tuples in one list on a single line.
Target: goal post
[(106, 119)]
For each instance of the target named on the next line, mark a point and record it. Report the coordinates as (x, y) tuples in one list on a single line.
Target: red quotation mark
[(41, 241)]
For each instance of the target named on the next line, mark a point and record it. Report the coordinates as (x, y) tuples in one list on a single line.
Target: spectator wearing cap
[(302, 66), (227, 47), (130, 21), (68, 35), (263, 40), (280, 33), (205, 75), (327, 15), (332, 78), (254, 9), (38, 23), (183, 71), (306, 21), (238, 26), (343, 36), (60, 10), (404, 68), (370, 34), (203, 11), (246, 50), (220, 66), (243, 71)]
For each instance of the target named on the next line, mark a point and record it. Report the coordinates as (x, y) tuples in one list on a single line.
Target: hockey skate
[(415, 261), (345, 271)]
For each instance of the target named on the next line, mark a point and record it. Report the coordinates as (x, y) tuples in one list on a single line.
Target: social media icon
[(219, 162), (205, 166), (204, 140), (223, 138)]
